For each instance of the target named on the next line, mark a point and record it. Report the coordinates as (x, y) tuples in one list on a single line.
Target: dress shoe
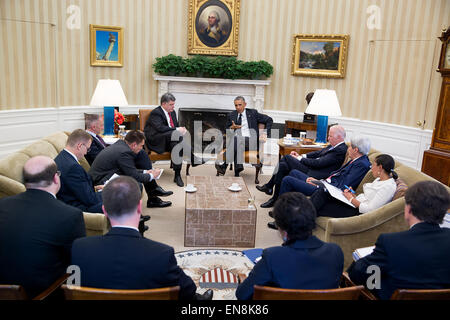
[(272, 225), (156, 202), (208, 295), (264, 188), (271, 214), (237, 170), (178, 181), (145, 218), (269, 203), (160, 192), (221, 169), (143, 229)]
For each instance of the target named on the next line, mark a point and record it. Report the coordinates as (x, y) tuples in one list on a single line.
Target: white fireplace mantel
[(214, 93)]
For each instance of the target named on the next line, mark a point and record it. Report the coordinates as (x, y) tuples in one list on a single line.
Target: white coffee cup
[(288, 136), (235, 185), (190, 186)]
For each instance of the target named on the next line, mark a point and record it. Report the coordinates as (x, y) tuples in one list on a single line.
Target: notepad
[(160, 174), (253, 254), (362, 252), (115, 175), (336, 193)]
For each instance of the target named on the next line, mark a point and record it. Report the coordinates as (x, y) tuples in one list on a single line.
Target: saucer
[(233, 189), (190, 190)]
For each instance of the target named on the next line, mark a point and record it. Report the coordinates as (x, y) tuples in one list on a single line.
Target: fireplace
[(199, 121)]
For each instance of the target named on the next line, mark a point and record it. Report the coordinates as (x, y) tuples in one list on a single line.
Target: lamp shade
[(325, 103), (108, 93)]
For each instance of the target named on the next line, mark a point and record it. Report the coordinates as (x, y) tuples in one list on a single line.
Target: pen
[(349, 188)]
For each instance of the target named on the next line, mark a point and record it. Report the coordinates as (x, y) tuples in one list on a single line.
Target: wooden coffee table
[(218, 217)]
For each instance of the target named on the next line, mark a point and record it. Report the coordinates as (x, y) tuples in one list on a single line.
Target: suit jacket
[(351, 173), (36, 234), (157, 129), (321, 162), (303, 264), (253, 119), (417, 259), (77, 188), (123, 259), (95, 149), (117, 158)]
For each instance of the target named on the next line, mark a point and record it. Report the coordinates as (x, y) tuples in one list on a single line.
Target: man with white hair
[(317, 164), (213, 35), (37, 230)]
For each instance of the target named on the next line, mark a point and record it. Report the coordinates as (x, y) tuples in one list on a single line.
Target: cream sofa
[(363, 230), (11, 176)]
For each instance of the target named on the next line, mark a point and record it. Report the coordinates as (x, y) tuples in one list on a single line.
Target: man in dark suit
[(94, 126), (244, 123), (37, 230), (303, 261), (349, 175), (163, 133), (416, 258), (119, 158), (123, 259), (317, 164), (77, 188)]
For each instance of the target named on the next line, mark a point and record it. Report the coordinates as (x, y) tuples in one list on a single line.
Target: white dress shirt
[(245, 131)]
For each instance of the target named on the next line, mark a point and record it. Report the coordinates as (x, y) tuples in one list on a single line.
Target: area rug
[(215, 269)]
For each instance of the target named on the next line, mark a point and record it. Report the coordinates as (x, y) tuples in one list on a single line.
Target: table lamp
[(324, 103), (108, 94)]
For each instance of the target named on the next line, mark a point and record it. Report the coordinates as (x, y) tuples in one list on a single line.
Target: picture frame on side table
[(106, 49), (320, 55), (213, 27)]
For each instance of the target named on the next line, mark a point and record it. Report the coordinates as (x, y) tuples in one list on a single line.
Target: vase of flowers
[(118, 120)]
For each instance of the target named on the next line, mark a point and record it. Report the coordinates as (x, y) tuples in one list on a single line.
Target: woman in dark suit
[(302, 261)]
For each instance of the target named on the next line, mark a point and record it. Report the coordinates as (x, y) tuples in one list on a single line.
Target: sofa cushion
[(40, 148), (401, 189), (12, 166), (58, 140)]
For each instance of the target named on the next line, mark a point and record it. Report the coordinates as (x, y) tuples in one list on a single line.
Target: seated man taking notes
[(120, 159), (414, 259)]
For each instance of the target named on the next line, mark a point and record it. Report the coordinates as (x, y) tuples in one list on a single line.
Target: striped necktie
[(101, 140)]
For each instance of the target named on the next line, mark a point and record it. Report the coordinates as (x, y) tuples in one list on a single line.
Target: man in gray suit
[(119, 158)]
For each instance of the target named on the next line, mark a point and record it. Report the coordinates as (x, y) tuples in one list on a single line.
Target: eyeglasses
[(58, 173), (87, 149)]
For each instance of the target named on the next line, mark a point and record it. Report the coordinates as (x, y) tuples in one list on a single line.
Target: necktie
[(339, 170), (239, 120), (171, 121), (101, 140)]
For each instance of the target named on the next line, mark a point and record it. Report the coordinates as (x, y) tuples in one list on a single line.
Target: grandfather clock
[(436, 161)]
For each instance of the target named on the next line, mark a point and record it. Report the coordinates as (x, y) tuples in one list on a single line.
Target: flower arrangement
[(118, 117)]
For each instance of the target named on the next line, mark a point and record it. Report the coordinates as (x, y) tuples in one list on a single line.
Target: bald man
[(37, 230), (316, 164)]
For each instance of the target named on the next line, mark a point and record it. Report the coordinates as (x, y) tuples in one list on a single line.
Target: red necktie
[(171, 121)]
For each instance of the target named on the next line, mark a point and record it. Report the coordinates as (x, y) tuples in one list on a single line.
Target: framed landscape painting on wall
[(213, 27), (320, 55), (106, 46)]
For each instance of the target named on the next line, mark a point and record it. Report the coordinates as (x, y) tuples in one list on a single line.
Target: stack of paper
[(362, 252), (446, 222)]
